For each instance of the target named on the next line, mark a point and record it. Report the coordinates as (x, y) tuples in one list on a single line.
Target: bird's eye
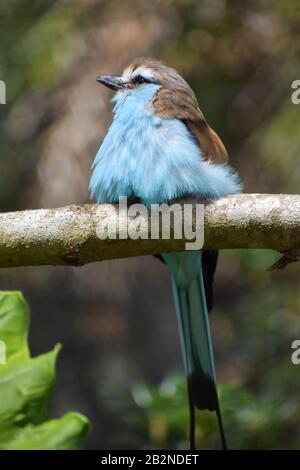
[(139, 79)]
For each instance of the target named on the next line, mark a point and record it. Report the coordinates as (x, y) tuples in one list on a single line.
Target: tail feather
[(191, 309), (209, 264)]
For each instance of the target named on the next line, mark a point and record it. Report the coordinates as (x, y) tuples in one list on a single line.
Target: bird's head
[(142, 73)]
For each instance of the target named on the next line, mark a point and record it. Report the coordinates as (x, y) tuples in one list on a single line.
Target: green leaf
[(25, 387), (56, 434), (14, 320)]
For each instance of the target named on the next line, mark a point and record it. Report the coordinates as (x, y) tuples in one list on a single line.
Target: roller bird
[(159, 148)]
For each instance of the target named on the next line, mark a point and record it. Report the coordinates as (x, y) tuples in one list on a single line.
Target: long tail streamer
[(192, 315)]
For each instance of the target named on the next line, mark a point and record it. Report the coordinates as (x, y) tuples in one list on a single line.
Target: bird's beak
[(111, 81)]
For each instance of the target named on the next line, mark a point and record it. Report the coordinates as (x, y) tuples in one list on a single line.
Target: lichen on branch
[(70, 235)]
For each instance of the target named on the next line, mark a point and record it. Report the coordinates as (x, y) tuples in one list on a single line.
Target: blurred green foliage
[(25, 387), (119, 324), (251, 421)]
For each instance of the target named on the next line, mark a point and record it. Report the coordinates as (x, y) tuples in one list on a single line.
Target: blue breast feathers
[(156, 160)]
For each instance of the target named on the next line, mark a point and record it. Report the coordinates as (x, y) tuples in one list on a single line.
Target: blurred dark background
[(120, 363)]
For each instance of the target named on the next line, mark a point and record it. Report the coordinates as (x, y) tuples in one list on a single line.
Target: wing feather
[(180, 103)]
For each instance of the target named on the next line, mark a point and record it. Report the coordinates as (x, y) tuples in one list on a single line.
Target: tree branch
[(67, 235)]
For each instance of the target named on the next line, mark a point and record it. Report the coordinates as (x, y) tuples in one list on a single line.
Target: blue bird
[(160, 148)]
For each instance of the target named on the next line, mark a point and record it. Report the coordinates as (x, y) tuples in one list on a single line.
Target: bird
[(159, 148)]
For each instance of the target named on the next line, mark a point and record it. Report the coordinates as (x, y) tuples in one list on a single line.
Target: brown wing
[(180, 102), (210, 143)]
